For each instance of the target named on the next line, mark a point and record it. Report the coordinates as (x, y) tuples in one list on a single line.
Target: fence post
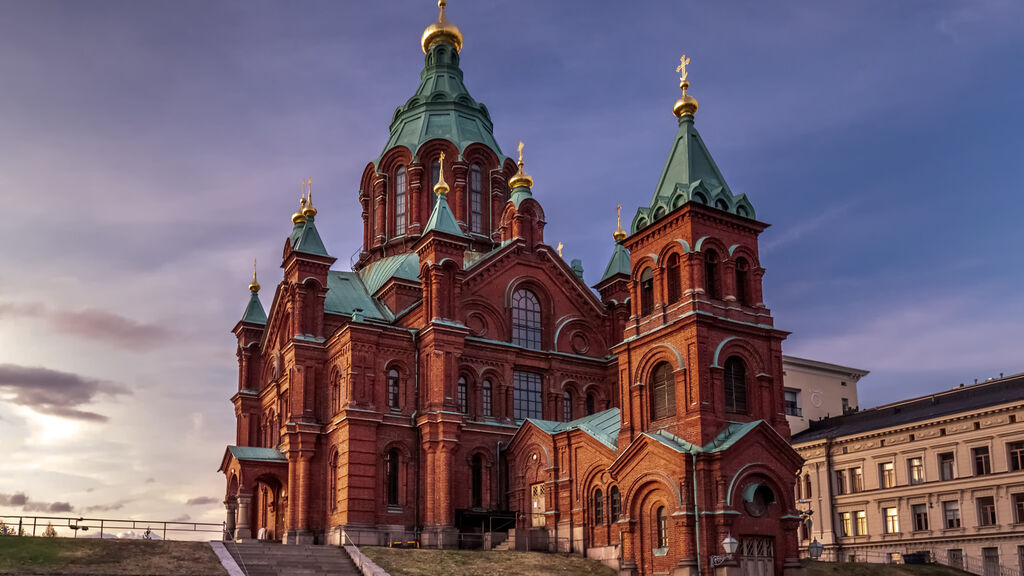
[(101, 529)]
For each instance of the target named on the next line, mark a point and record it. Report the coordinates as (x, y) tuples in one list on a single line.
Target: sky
[(149, 151)]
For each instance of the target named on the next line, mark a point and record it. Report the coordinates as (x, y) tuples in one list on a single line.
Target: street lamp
[(815, 549), (730, 545)]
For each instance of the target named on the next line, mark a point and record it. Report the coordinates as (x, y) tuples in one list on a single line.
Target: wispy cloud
[(53, 392), (92, 324), (19, 499), (804, 228), (202, 501)]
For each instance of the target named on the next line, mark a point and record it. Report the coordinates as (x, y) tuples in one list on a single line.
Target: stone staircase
[(272, 559)]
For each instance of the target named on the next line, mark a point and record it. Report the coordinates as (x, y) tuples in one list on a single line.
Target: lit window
[(862, 523), (915, 470), (846, 524), (475, 199), (526, 327), (526, 395), (735, 386), (892, 520), (663, 402), (400, 201), (886, 475)]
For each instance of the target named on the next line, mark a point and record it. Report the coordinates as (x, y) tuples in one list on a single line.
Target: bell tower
[(700, 351)]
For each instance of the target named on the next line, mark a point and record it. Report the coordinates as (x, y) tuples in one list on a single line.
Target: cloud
[(182, 518), (107, 507), (93, 324), (20, 499), (202, 501), (52, 392), (805, 227)]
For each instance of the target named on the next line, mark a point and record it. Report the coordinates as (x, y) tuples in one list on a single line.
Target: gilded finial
[(309, 211), (254, 286), (560, 246), (441, 31), (619, 234), (299, 216), (520, 179), (441, 187), (686, 105)]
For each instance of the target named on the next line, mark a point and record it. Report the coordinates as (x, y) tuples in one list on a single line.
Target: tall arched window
[(391, 476), (332, 482), (335, 394), (463, 395), (591, 403), (674, 279), (662, 535), (615, 508), (435, 173), (646, 292), (807, 486), (526, 319), (598, 508), (711, 274), (663, 396), (393, 389), (742, 291), (487, 394), (476, 216), (478, 481), (400, 201), (567, 406), (735, 385)]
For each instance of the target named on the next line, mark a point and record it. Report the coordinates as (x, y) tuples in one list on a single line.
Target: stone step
[(273, 559)]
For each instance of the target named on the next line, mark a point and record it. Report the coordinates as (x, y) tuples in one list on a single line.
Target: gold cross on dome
[(683, 61), (520, 151), (560, 246)]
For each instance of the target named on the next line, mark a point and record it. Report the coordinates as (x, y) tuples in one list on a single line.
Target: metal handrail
[(109, 524)]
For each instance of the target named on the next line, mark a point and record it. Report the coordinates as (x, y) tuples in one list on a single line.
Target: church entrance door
[(757, 556)]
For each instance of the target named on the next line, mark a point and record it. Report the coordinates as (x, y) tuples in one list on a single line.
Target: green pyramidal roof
[(306, 239), (442, 219), (442, 108), (254, 312), (690, 174), (619, 263)]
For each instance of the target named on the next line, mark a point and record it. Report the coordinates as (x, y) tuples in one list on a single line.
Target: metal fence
[(66, 527), (966, 562)]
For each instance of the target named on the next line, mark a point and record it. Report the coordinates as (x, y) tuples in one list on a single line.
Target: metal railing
[(966, 562), (67, 527)]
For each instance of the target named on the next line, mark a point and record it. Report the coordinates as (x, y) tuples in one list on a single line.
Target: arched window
[(807, 486), (663, 396), (735, 386), (646, 292), (742, 291), (526, 319), (435, 173), (567, 406), (615, 509), (662, 536), (478, 481), (674, 279), (598, 508), (400, 201), (488, 398), (335, 394), (391, 476), (721, 205), (463, 395), (393, 389), (711, 273), (591, 403), (476, 216), (332, 482)]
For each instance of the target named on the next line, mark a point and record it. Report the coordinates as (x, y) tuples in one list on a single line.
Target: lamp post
[(815, 549), (730, 545)]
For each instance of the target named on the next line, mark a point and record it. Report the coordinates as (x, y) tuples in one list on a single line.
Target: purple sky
[(149, 151)]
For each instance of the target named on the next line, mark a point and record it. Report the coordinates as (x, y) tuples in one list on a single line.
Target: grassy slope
[(26, 555), (408, 562)]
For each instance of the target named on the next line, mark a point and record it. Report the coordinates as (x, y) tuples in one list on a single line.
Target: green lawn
[(27, 555), (411, 562)]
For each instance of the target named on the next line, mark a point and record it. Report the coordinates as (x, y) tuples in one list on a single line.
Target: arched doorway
[(270, 507)]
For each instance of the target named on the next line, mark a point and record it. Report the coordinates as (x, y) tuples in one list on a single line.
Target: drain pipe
[(415, 412), (696, 509)]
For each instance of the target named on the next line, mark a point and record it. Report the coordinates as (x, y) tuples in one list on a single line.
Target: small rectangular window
[(982, 461), (526, 395), (862, 523), (886, 475), (840, 481), (986, 511), (846, 524), (947, 470), (915, 470), (846, 405), (892, 520), (951, 514), (1018, 508), (1016, 456), (857, 479), (920, 512), (792, 402)]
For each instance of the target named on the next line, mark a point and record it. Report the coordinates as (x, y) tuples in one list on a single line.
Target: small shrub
[(50, 532)]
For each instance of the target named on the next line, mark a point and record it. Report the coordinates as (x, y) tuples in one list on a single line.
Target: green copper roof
[(254, 312), (602, 426), (252, 453), (306, 239), (442, 108), (405, 266), (730, 435), (619, 263), (346, 294), (690, 174), (442, 220), (520, 193)]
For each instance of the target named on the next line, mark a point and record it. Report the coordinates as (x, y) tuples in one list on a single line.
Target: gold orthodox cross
[(683, 61), (520, 151)]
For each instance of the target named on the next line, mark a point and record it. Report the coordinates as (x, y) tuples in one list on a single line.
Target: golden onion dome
[(299, 216), (686, 105), (309, 211), (441, 31), (619, 233), (441, 187), (254, 286), (520, 178)]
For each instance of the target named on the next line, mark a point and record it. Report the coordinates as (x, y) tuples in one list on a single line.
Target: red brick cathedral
[(462, 379)]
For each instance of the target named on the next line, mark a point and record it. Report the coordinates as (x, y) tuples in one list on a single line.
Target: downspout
[(828, 496), (696, 508), (415, 412)]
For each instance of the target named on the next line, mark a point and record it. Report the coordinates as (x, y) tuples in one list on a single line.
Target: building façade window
[(742, 281), (598, 508), (982, 461), (920, 516), (646, 292), (986, 511), (947, 466), (400, 201), (476, 216), (526, 319), (886, 475), (951, 514), (591, 403), (566, 406), (615, 508), (487, 393), (435, 173), (673, 279), (526, 395), (393, 389), (735, 386), (1016, 462), (711, 274), (915, 470), (391, 477), (662, 527), (462, 392), (332, 482), (663, 401), (477, 481)]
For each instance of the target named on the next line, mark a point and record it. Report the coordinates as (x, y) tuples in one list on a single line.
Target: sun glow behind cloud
[(46, 430)]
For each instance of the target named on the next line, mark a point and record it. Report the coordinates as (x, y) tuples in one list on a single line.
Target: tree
[(50, 532), (6, 530)]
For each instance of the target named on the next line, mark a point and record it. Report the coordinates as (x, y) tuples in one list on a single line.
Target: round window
[(757, 498)]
